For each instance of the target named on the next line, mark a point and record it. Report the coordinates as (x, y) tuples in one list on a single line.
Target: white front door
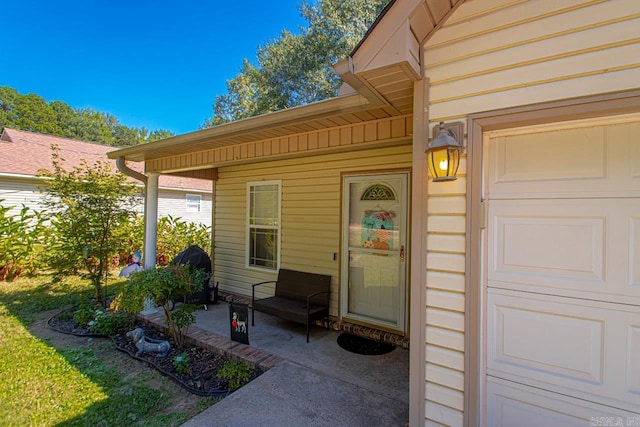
[(374, 233), (562, 279)]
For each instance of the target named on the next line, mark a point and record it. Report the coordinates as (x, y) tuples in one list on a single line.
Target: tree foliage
[(32, 113), (295, 69), (163, 285), (22, 238), (88, 205)]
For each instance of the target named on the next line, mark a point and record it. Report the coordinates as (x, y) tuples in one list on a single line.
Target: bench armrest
[(315, 294), (253, 288)]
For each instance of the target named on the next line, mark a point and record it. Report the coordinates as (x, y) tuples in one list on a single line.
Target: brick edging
[(218, 344)]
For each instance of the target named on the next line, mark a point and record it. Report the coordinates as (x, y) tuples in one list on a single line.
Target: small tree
[(88, 205), (165, 284)]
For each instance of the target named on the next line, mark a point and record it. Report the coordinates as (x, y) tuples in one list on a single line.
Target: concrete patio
[(305, 384)]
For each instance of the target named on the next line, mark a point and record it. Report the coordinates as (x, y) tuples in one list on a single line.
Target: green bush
[(84, 315), (22, 238), (181, 363), (175, 235), (163, 285), (109, 322), (237, 372)]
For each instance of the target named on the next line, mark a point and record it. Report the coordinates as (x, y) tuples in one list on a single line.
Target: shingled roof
[(25, 153)]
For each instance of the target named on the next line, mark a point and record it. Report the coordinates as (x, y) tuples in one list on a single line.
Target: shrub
[(163, 285), (109, 322), (84, 315), (181, 363), (237, 372), (174, 235), (22, 238)]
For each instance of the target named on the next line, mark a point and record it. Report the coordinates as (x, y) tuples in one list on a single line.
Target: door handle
[(402, 253)]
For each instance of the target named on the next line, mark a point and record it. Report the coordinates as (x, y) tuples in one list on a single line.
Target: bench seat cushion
[(290, 309)]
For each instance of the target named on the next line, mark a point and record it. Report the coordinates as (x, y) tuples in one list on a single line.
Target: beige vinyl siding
[(497, 54), (445, 301), (491, 55), (310, 231)]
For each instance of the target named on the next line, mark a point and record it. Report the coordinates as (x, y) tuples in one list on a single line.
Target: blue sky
[(157, 64)]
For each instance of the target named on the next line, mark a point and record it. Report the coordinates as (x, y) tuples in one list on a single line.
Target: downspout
[(150, 210), (121, 162)]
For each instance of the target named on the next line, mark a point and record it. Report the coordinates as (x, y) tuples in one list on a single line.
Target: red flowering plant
[(385, 215)]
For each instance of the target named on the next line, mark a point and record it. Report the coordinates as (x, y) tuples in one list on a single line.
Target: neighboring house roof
[(26, 153)]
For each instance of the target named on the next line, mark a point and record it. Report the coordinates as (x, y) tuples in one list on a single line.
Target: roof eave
[(264, 121)]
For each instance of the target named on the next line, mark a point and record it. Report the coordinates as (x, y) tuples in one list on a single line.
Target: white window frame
[(190, 204), (250, 227)]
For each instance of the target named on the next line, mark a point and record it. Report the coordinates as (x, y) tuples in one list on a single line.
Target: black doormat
[(359, 345)]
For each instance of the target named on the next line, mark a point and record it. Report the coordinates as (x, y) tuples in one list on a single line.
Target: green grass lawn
[(46, 380)]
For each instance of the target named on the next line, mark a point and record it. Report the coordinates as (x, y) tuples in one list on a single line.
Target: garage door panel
[(586, 161), (512, 404), (580, 248), (634, 253), (528, 158), (570, 247), (629, 163), (566, 345), (633, 358), (523, 338)]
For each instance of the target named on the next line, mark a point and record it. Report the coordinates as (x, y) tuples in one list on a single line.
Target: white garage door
[(562, 270)]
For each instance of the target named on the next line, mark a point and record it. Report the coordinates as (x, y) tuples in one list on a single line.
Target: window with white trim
[(263, 224), (193, 203)]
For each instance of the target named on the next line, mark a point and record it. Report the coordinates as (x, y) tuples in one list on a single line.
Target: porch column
[(151, 221)]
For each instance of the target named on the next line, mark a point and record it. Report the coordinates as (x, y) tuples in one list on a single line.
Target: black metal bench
[(299, 297)]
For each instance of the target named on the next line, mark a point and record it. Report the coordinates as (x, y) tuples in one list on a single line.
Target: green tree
[(94, 126), (66, 118), (31, 112), (88, 205), (8, 98), (159, 134), (295, 69)]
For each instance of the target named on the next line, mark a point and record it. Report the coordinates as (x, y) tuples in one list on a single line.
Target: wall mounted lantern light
[(443, 151)]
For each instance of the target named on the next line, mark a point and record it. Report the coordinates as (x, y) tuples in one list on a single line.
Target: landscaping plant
[(165, 285), (109, 322), (174, 235), (88, 205), (181, 363), (237, 372), (22, 239)]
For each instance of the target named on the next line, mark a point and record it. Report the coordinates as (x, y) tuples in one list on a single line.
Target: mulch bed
[(201, 377)]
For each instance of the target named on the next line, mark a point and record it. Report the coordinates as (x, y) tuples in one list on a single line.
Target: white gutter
[(121, 163)]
